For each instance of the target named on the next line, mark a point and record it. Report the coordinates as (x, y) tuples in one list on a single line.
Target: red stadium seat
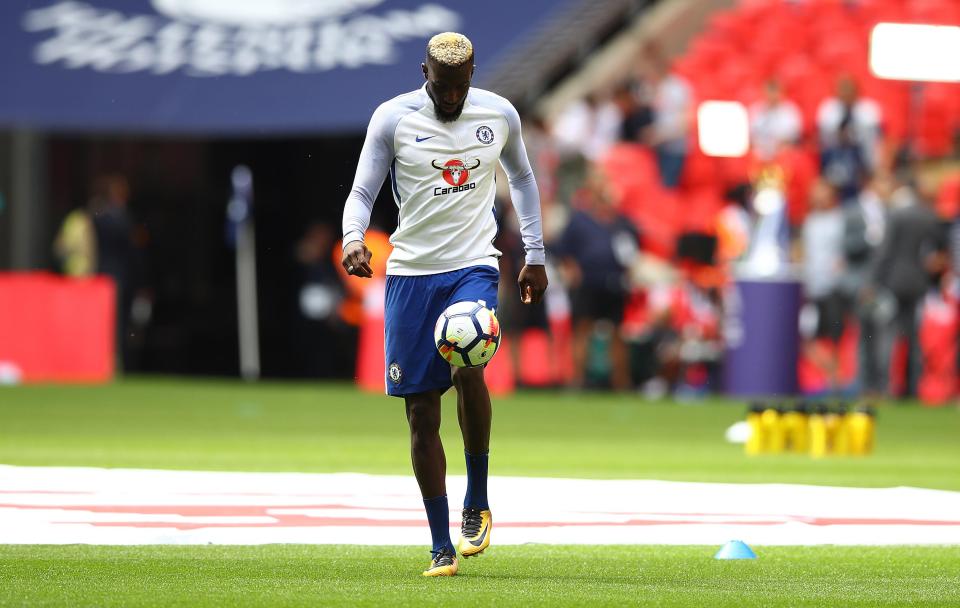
[(948, 197), (699, 170), (945, 12), (700, 209), (938, 345), (806, 85), (936, 119), (730, 26), (657, 218), (734, 171), (536, 350), (894, 99), (633, 174), (629, 161), (499, 371), (806, 46), (840, 50)]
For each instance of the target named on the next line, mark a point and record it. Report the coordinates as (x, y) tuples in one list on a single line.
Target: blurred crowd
[(645, 235), (851, 186)]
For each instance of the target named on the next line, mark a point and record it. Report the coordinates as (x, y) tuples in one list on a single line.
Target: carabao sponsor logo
[(456, 173)]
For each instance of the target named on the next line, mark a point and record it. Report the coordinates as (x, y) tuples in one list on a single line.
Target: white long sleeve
[(442, 177), (374, 163), (523, 190)]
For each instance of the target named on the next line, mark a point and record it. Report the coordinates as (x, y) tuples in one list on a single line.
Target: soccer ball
[(467, 334)]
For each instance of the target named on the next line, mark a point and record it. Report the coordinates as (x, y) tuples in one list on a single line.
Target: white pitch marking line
[(123, 506)]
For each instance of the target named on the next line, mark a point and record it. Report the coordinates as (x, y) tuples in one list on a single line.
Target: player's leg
[(418, 374), (474, 411), (430, 469), (426, 450), (475, 414)]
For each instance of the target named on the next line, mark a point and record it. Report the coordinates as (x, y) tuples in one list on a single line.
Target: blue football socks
[(476, 481), (438, 514)]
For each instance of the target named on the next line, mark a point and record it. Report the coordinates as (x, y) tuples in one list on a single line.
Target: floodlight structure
[(723, 129), (914, 52)]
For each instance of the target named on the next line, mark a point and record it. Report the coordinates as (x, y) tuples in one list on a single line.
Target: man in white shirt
[(441, 145), (774, 122), (823, 267), (863, 115), (671, 100)]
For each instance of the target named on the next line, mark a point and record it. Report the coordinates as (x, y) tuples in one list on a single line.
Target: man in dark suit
[(911, 258)]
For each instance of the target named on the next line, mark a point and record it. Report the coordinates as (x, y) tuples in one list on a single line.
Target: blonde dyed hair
[(450, 49)]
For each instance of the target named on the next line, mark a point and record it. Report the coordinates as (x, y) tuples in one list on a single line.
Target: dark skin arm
[(532, 282), (356, 259)]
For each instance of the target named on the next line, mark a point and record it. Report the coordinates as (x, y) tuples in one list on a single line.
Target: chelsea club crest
[(485, 135), (396, 374)]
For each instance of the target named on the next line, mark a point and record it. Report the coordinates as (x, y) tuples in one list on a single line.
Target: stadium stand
[(818, 52)]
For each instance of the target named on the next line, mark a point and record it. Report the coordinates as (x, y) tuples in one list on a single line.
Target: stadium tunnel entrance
[(182, 257)]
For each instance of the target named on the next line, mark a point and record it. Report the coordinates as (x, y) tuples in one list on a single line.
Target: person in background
[(671, 99), (75, 247), (842, 162), (115, 251), (320, 296), (636, 117), (954, 236), (515, 318), (733, 225), (587, 127), (823, 266), (913, 249), (113, 227), (774, 122), (596, 249), (544, 157), (572, 132), (864, 221), (862, 116)]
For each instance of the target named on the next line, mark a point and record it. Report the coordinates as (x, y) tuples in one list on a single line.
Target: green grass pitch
[(289, 575), (223, 425)]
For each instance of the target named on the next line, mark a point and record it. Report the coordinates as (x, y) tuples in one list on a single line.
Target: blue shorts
[(413, 305)]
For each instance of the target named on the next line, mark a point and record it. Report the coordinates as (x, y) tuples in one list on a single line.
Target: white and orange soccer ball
[(467, 334)]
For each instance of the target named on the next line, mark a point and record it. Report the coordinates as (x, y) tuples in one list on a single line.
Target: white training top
[(443, 175)]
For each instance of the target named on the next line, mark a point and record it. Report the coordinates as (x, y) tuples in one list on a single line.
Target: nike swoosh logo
[(479, 541), (420, 139)]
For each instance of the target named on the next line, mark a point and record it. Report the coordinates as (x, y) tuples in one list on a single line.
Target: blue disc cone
[(735, 549)]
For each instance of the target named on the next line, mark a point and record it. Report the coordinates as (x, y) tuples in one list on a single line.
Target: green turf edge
[(528, 575), (191, 424)]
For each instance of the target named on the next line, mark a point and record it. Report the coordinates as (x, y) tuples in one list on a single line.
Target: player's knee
[(467, 377), (423, 417)]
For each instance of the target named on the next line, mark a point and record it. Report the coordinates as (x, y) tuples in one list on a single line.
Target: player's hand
[(532, 282), (356, 259)]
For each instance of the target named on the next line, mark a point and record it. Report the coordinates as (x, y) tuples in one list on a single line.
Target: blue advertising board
[(231, 66)]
